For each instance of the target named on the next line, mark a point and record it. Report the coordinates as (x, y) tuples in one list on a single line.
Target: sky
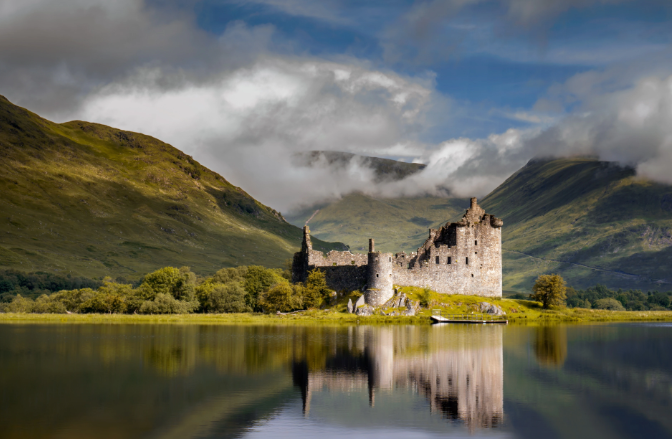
[(472, 88)]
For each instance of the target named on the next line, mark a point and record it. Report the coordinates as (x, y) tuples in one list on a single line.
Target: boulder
[(489, 308), (364, 311), (411, 307), (361, 301), (351, 307)]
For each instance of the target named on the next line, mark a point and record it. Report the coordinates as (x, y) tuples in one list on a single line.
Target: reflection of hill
[(460, 372)]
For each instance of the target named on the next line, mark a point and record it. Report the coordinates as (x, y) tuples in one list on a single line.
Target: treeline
[(172, 290), (601, 297), (33, 285)]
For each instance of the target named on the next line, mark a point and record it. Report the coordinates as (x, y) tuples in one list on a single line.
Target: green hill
[(395, 224), (91, 200), (591, 221)]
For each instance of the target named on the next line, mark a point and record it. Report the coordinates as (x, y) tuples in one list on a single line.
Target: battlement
[(458, 258)]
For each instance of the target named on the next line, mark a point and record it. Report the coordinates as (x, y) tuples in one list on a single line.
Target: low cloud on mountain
[(244, 99)]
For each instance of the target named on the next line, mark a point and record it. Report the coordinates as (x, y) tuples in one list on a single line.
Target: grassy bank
[(519, 312)]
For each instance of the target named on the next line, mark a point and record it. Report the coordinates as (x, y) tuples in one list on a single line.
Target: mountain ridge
[(93, 200)]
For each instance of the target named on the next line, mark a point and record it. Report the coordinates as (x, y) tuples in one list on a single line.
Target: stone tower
[(380, 281)]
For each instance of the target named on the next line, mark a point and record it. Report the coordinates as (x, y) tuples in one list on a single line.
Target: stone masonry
[(458, 258)]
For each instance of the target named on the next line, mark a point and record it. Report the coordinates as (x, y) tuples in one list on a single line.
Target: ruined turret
[(380, 280)]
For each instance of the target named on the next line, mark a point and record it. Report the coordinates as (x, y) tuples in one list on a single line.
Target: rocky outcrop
[(491, 309)]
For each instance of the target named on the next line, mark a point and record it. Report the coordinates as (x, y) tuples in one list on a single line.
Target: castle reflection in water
[(459, 370)]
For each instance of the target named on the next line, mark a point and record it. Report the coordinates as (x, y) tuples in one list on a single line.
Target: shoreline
[(561, 316)]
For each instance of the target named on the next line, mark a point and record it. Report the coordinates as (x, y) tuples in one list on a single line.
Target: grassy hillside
[(591, 221), (91, 200), (395, 224)]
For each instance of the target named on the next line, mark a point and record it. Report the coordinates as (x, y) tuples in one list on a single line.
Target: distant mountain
[(395, 224), (384, 169), (591, 221), (91, 200)]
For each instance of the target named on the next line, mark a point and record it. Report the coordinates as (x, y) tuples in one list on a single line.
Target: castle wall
[(458, 258)]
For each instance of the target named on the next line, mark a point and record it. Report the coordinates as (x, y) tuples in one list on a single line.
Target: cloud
[(246, 123)]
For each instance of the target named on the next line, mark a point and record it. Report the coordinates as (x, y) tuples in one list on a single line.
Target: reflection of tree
[(550, 345)]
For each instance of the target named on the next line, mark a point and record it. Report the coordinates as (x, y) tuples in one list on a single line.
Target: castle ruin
[(459, 258)]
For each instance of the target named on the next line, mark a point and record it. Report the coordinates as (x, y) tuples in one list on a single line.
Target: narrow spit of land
[(518, 312)]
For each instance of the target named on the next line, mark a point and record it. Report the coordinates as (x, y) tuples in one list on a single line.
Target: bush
[(549, 289), (282, 297), (227, 298), (234, 274), (609, 304), (316, 289), (47, 305), (179, 283), (20, 304), (258, 280), (167, 304)]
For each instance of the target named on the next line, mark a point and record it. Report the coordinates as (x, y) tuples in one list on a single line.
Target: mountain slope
[(91, 200), (395, 224), (591, 221)]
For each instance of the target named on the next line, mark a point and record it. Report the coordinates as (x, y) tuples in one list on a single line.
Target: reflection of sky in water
[(288, 423), (171, 381)]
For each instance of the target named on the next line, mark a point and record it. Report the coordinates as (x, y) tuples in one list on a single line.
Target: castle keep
[(458, 258)]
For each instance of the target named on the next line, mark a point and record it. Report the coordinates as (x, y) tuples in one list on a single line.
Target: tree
[(258, 280), (281, 297), (227, 298), (610, 304), (549, 289), (316, 290)]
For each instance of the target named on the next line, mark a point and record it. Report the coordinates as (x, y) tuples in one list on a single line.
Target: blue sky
[(472, 88)]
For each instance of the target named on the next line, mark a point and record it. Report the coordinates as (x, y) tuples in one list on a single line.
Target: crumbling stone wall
[(458, 258)]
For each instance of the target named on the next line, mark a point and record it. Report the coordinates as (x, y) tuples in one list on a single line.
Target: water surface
[(165, 381)]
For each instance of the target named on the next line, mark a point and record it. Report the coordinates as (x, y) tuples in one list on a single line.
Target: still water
[(161, 381)]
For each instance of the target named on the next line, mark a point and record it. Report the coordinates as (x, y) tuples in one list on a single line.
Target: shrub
[(227, 298), (609, 304), (258, 280), (234, 274), (282, 297), (20, 304), (167, 304), (179, 283), (549, 289), (316, 289), (45, 304)]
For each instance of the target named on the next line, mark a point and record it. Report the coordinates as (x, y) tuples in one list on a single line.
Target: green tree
[(20, 304), (610, 304), (549, 289), (179, 283), (233, 274), (258, 280), (47, 305), (281, 297), (167, 304), (316, 289), (227, 298)]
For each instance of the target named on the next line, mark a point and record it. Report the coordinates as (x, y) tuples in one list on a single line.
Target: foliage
[(35, 284), (178, 283), (227, 298), (316, 290), (20, 305), (631, 300), (610, 304), (231, 274), (282, 297), (167, 304), (258, 279), (425, 297), (550, 290)]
